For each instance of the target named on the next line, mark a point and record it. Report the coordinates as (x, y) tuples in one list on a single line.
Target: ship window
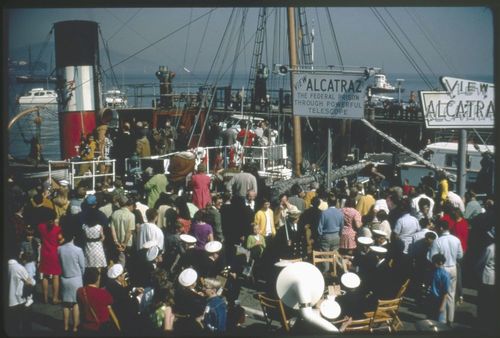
[(451, 160), (37, 94)]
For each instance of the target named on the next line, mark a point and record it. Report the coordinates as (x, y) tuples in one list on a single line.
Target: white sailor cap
[(63, 183), (188, 238), (379, 232), (213, 246), (149, 244), (330, 309), (152, 253), (115, 271), (188, 277), (378, 249), (365, 240), (350, 280)]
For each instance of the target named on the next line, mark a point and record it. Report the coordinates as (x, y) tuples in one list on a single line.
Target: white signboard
[(324, 95), (464, 104)]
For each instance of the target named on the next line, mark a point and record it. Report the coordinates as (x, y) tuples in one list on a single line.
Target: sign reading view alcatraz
[(324, 95), (464, 104)]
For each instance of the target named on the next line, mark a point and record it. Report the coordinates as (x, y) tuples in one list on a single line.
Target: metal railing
[(74, 167)]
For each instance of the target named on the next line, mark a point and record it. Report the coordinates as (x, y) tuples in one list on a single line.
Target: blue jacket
[(216, 314), (330, 221)]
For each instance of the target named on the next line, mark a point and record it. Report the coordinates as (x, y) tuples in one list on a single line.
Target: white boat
[(445, 155), (380, 84), (39, 96), (114, 98)]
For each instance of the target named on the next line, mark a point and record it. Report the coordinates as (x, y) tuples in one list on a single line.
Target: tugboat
[(381, 85)]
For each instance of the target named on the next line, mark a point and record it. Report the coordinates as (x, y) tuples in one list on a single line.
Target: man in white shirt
[(414, 203), (150, 231), (17, 322)]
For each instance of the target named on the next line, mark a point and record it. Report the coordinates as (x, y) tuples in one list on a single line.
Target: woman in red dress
[(95, 304), (200, 183), (50, 266)]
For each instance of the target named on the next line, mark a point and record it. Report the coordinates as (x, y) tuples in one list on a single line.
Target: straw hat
[(115, 271), (350, 280), (188, 277), (300, 283)]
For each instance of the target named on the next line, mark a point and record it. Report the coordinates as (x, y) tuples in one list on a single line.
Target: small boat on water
[(381, 85), (39, 96), (114, 98)]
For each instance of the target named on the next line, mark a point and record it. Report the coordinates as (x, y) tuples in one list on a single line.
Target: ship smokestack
[(78, 85)]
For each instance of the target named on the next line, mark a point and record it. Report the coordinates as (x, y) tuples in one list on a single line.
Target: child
[(216, 311), (29, 255), (256, 243), (440, 287), (30, 266)]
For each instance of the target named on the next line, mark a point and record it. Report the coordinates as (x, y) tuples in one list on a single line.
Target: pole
[(297, 142), (329, 159), (462, 156)]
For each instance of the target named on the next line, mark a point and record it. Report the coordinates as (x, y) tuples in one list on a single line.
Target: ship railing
[(271, 160), (77, 171)]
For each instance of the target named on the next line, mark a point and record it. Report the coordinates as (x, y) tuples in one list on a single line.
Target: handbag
[(110, 309)]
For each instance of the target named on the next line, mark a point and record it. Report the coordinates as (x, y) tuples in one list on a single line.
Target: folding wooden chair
[(403, 289), (332, 257), (385, 315), (295, 260), (273, 309), (359, 325)]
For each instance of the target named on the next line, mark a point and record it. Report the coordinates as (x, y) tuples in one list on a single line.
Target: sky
[(446, 41)]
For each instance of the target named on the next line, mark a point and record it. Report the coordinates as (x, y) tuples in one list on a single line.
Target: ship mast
[(297, 141)]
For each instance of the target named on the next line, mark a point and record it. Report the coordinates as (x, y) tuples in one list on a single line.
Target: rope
[(187, 38), (124, 24), (406, 150), (400, 46), (202, 40), (337, 48)]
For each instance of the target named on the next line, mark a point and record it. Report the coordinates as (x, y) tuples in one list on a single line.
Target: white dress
[(94, 251)]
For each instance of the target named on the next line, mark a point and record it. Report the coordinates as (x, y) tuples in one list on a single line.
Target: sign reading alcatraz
[(464, 104), (324, 95)]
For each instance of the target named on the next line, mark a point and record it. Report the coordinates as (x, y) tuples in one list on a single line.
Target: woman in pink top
[(200, 183), (352, 222)]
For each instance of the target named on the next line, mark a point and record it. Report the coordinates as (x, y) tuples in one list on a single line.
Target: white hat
[(293, 211), (365, 240), (115, 271), (300, 283), (188, 277), (152, 253), (378, 249), (330, 309), (213, 246), (149, 244), (282, 263), (63, 183), (379, 232), (188, 238), (350, 280)]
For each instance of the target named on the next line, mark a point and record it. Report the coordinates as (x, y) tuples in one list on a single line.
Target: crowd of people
[(174, 260)]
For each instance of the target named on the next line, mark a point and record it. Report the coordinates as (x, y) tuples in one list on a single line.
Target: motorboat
[(381, 85), (445, 155), (39, 96), (114, 98)]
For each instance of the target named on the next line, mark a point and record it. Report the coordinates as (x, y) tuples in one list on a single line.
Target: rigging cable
[(447, 61), (114, 80), (411, 43), (187, 40), (124, 24), (401, 47), (201, 41), (321, 36), (335, 40), (241, 38)]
